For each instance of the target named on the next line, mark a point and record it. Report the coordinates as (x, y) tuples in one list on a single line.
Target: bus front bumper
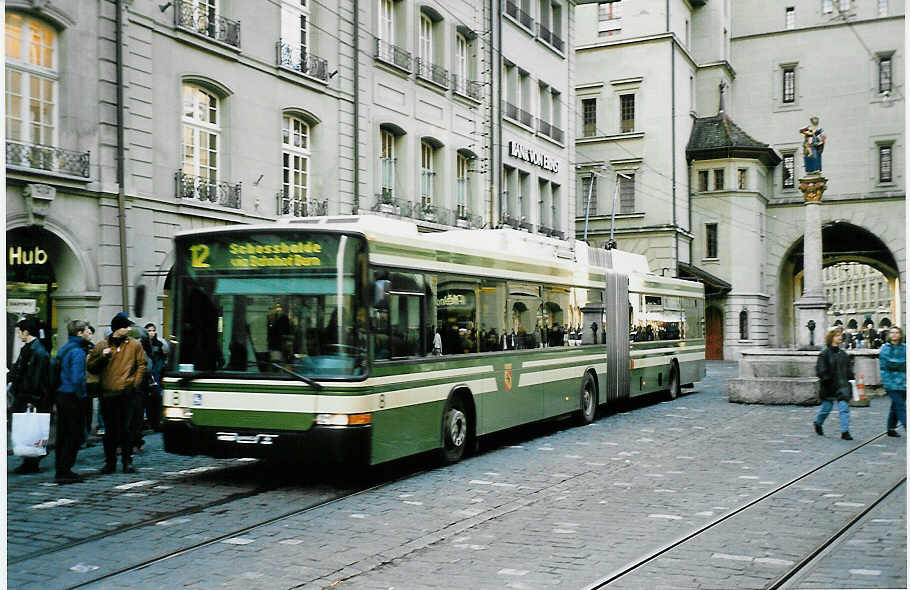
[(319, 444)]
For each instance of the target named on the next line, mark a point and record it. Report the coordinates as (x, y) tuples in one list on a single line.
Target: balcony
[(550, 38), (525, 117), (465, 219), (300, 207), (512, 222), (467, 88), (203, 21), (550, 130), (47, 158), (205, 190), (386, 203), (510, 110), (300, 60), (432, 73), (520, 15), (392, 54)]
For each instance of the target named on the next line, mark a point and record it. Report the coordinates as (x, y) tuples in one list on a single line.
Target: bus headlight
[(343, 419), (171, 413)]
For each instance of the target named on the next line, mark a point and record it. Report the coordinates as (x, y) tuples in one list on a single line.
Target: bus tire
[(675, 387), (588, 400), (456, 430)]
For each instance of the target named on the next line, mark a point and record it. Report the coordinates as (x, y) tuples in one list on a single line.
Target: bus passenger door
[(617, 333)]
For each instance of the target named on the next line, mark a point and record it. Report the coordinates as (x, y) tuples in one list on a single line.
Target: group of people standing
[(123, 371), (834, 369)]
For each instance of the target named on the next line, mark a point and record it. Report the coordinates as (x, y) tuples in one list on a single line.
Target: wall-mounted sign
[(19, 255), (18, 306), (523, 152)]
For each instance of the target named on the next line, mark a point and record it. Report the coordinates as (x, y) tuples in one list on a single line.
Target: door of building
[(714, 334)]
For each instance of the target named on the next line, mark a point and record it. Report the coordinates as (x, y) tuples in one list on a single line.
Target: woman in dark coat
[(835, 370)]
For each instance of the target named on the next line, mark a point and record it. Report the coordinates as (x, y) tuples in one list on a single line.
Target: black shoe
[(108, 468), (818, 429), (893, 433), (68, 477), (128, 468), (26, 468), (846, 435)]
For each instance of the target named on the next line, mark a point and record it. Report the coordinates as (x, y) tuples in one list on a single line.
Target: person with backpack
[(69, 380), (30, 381)]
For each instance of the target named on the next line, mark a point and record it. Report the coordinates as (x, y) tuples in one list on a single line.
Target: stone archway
[(842, 241)]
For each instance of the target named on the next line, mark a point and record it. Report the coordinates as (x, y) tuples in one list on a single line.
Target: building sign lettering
[(523, 152), (19, 256)]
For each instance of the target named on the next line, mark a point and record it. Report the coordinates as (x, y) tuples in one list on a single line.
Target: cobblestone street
[(554, 506)]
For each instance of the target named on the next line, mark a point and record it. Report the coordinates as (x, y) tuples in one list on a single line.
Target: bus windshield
[(271, 303)]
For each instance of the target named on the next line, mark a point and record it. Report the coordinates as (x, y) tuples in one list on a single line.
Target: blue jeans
[(842, 408), (898, 409)]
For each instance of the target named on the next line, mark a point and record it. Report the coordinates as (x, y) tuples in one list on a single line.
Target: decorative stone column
[(812, 307)]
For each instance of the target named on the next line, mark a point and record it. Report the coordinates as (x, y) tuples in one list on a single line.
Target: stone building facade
[(228, 112), (723, 206)]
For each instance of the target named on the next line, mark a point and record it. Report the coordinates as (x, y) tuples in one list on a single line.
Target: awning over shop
[(714, 286)]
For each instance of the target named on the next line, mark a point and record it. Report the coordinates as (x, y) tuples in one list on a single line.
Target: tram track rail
[(640, 562)]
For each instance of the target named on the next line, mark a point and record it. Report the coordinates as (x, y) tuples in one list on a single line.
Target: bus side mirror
[(139, 301), (381, 294)]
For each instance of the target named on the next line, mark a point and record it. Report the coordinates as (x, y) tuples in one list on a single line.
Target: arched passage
[(842, 242)]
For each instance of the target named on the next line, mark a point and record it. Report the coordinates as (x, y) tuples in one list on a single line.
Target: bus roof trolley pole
[(611, 243)]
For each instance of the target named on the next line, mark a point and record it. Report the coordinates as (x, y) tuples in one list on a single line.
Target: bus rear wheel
[(675, 387), (456, 429), (588, 401)]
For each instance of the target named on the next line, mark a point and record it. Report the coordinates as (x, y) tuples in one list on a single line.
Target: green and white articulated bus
[(357, 339)]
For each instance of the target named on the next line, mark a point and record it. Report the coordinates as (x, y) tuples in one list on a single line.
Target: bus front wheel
[(455, 430), (675, 387)]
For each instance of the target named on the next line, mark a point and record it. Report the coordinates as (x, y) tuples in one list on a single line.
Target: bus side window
[(456, 315), (523, 313), (491, 301), (554, 328)]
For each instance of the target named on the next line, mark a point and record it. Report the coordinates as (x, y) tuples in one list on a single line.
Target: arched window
[(201, 133), (31, 80), (744, 325), (295, 154)]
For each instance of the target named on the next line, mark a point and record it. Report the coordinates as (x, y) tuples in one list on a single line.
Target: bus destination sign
[(239, 255)]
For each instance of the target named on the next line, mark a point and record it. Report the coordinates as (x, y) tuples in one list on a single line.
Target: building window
[(425, 40), (627, 113), (710, 240), (609, 18), (789, 84), (386, 165), (554, 207), (543, 189), (201, 133), (787, 170), (742, 178), (744, 325), (295, 153), (703, 181), (588, 195), (522, 189), (827, 6), (588, 117), (508, 194), (427, 175), (524, 98), (884, 163), (556, 117), (719, 179), (295, 26), (626, 193), (790, 18), (461, 57), (844, 5), (31, 81), (884, 73), (386, 30), (883, 7), (461, 186)]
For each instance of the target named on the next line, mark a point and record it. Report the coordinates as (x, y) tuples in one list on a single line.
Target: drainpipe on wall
[(121, 161), (673, 137), (356, 206), (495, 122)]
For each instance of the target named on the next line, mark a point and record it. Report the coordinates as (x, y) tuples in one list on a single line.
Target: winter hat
[(121, 320), (28, 324)]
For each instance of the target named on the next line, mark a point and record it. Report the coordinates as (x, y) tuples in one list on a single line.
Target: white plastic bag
[(30, 433), (854, 389)]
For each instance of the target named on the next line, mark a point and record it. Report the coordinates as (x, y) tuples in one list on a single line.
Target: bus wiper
[(303, 378)]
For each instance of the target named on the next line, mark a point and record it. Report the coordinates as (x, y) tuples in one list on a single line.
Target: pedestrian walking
[(70, 398), (158, 359), (120, 362), (29, 379), (834, 369), (892, 360)]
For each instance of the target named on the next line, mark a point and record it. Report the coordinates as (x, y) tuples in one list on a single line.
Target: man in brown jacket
[(120, 362)]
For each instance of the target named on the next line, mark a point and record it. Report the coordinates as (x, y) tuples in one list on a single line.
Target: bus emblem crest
[(507, 376)]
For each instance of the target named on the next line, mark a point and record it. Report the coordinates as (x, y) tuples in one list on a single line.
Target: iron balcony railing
[(550, 130), (524, 224), (203, 189), (512, 9), (432, 72), (300, 207), (393, 54), (549, 37), (49, 158), (510, 110), (386, 203), (543, 229), (544, 127), (466, 87), (205, 21), (465, 218), (525, 117), (512, 222), (525, 19), (300, 60)]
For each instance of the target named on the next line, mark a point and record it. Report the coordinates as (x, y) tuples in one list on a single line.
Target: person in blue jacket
[(70, 396), (892, 360)]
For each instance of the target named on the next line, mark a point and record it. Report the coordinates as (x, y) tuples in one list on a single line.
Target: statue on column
[(813, 146)]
